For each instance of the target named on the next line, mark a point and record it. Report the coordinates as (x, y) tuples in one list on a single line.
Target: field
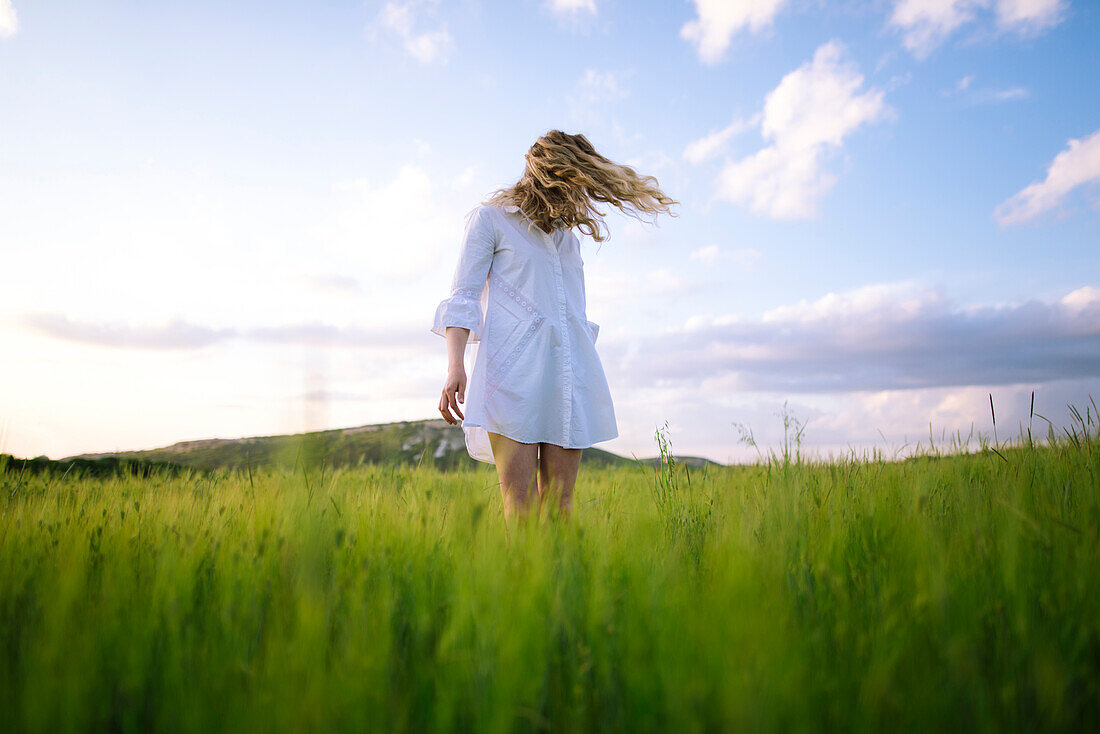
[(942, 592)]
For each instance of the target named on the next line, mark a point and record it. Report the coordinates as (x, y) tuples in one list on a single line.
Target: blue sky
[(228, 219)]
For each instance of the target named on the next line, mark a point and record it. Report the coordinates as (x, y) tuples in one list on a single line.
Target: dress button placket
[(567, 377)]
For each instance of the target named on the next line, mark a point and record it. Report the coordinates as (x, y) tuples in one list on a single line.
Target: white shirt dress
[(536, 375)]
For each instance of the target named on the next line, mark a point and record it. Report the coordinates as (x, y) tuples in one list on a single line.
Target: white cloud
[(810, 113), (926, 24), (624, 138), (650, 161), (1029, 16), (1077, 165), (404, 19), (746, 258), (664, 282), (707, 254), (572, 7), (966, 90), (464, 180), (1081, 299), (595, 92), (600, 86), (715, 143), (373, 218), (1009, 94), (9, 21), (719, 20)]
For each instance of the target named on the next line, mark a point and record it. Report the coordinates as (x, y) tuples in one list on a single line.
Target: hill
[(431, 442), (80, 466)]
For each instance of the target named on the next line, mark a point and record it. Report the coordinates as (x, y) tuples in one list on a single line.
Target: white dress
[(536, 375)]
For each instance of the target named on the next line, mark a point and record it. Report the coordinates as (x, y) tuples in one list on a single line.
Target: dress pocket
[(593, 329), (505, 325), (513, 323)]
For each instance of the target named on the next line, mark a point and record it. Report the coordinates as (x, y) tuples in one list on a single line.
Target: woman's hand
[(453, 387)]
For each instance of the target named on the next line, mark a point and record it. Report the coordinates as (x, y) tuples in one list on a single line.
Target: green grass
[(958, 593)]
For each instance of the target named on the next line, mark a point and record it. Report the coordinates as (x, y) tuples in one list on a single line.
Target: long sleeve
[(462, 307)]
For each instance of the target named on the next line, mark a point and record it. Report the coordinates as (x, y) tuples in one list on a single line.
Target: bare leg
[(557, 476), (517, 464)]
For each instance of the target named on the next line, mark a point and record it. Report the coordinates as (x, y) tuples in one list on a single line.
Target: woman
[(537, 393)]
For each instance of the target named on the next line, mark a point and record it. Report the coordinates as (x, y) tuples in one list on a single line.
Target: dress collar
[(558, 224)]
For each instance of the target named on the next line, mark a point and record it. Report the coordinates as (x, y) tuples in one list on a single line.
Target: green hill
[(427, 442), (101, 466)]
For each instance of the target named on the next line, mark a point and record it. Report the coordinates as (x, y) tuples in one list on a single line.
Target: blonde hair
[(565, 175)]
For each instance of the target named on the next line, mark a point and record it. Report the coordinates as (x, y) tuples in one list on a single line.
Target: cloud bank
[(181, 334), (880, 337), (887, 337)]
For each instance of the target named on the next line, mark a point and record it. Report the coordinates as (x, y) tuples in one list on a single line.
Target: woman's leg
[(557, 475), (517, 464)]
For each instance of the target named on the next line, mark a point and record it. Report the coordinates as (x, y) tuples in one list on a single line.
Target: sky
[(225, 219)]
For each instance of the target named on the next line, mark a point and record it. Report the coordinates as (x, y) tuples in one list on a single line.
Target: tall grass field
[(944, 592)]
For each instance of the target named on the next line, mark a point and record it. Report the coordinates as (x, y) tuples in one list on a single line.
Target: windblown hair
[(565, 175)]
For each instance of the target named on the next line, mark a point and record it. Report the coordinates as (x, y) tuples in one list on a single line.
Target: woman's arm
[(475, 258), (455, 384), (457, 318)]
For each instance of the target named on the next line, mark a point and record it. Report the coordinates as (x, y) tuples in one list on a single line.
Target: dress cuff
[(458, 310)]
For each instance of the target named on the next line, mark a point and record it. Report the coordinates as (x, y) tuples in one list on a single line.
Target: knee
[(517, 478)]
